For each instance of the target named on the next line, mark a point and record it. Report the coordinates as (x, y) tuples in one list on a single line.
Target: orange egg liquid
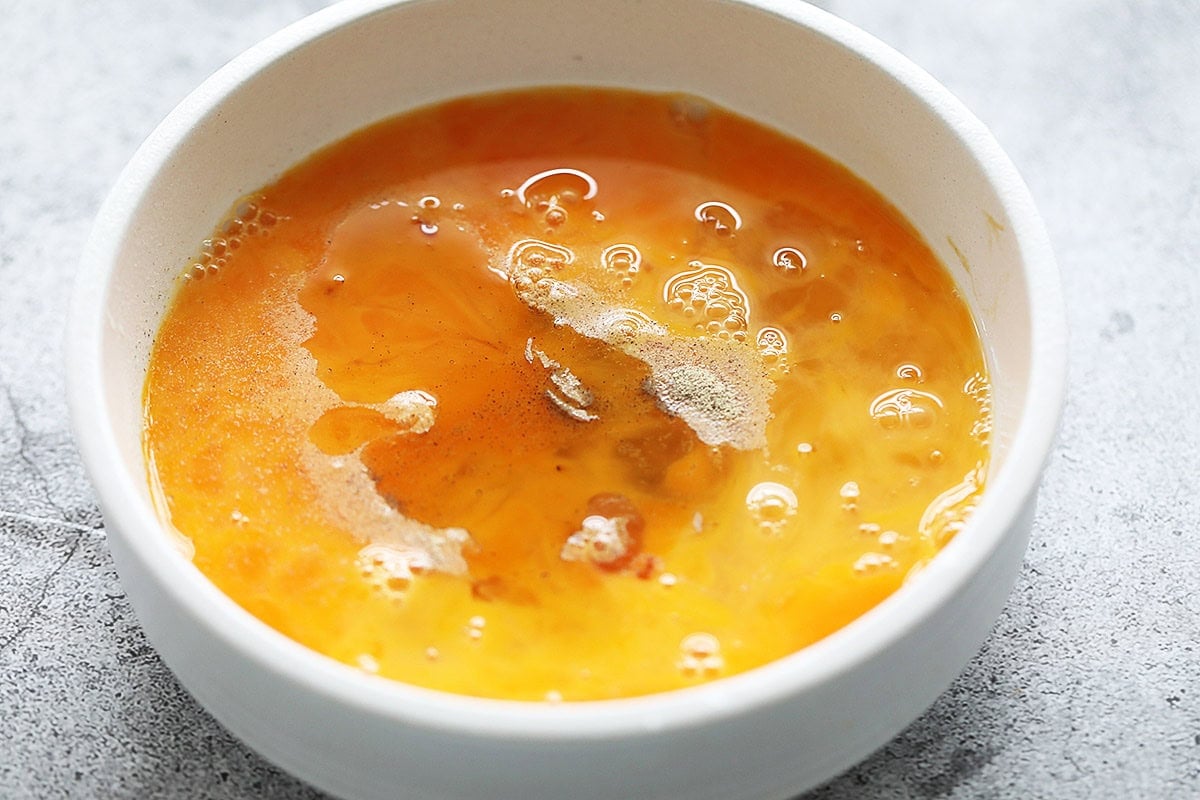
[(565, 394)]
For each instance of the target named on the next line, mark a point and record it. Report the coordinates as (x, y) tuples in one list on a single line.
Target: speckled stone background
[(1089, 686)]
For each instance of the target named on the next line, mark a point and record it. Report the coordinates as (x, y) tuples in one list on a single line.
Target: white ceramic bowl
[(768, 733)]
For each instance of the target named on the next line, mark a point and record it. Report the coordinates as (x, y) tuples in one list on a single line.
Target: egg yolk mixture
[(564, 395)]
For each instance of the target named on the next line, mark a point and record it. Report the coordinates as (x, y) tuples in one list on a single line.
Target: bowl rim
[(854, 644)]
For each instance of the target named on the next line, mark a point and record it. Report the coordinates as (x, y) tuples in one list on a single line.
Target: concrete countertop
[(1088, 687)]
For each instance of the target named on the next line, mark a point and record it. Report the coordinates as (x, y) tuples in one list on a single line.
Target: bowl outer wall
[(767, 733)]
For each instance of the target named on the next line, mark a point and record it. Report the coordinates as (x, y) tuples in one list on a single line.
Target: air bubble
[(429, 228), (553, 696), (849, 494), (238, 517), (429, 201), (910, 372), (704, 286), (789, 260), (772, 345), (474, 628), (598, 216), (432, 654), (667, 579), (720, 218), (835, 317), (872, 562), (771, 505), (457, 207), (804, 448), (623, 260), (888, 538), (556, 216), (367, 663), (700, 655), (556, 184), (905, 407)]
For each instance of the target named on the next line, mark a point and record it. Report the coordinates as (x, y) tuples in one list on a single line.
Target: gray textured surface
[(1089, 686)]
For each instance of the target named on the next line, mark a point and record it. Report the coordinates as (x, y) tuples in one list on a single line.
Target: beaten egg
[(565, 394)]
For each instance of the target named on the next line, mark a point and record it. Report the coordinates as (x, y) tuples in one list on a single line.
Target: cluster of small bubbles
[(700, 654), (948, 513), (860, 246), (367, 663), (530, 260), (599, 540), (627, 324), (771, 505), (910, 372), (869, 528), (849, 494), (623, 261), (710, 295), (389, 569), (474, 628), (906, 407), (772, 345), (804, 448), (979, 389), (789, 260), (872, 562), (248, 220), (238, 517), (720, 218)]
